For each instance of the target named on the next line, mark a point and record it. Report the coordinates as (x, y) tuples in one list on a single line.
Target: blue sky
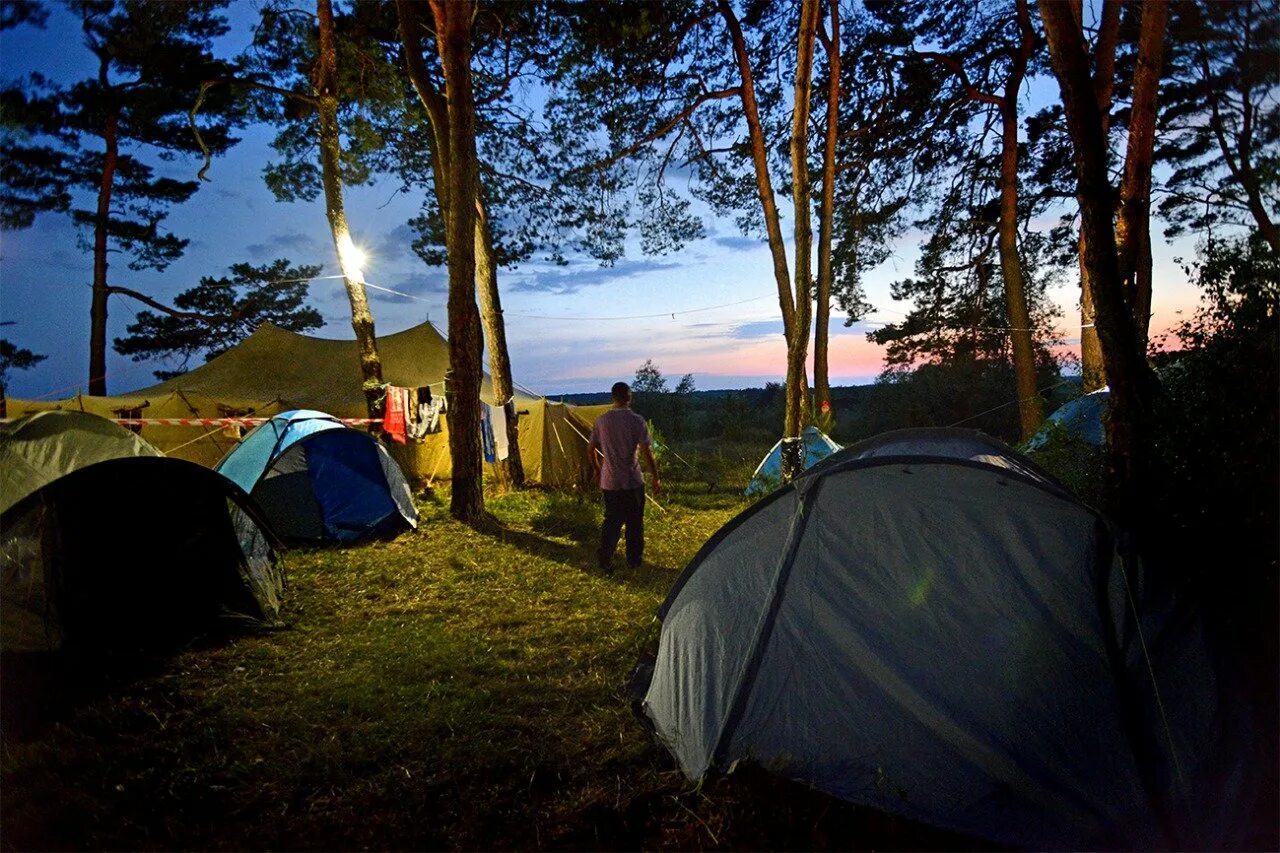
[(715, 301)]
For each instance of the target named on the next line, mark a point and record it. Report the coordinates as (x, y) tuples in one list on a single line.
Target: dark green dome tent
[(928, 624), (109, 545)]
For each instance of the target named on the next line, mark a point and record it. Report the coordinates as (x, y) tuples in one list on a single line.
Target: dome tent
[(768, 474), (109, 545), (318, 479), (1080, 419), (928, 624)]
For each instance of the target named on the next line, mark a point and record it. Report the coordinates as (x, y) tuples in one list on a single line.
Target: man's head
[(621, 393)]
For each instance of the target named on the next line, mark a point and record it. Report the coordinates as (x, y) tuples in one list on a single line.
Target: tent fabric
[(113, 546), (317, 479), (275, 370), (203, 445), (768, 474), (953, 640), (37, 450), (1082, 419)]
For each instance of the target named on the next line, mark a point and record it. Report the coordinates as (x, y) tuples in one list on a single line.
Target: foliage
[(13, 357), (653, 397), (1220, 116), (1219, 442), (152, 59), (221, 312)]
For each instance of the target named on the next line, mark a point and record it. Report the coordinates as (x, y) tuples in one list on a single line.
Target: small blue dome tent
[(1081, 419), (317, 479), (768, 474)]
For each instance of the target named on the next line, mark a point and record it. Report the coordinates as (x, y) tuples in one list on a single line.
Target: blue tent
[(768, 474), (1081, 419), (318, 479)]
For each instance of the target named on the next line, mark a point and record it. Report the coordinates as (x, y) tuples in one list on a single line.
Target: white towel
[(499, 415)]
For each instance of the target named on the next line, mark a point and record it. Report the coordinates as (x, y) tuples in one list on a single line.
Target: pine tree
[(64, 145), (219, 313)]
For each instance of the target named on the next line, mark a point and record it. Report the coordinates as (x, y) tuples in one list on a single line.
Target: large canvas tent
[(928, 624), (107, 544), (318, 479), (275, 370)]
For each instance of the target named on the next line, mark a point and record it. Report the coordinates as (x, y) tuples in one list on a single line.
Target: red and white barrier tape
[(213, 422), (223, 422)]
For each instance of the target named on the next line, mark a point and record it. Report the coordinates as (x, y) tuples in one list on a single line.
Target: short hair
[(621, 392)]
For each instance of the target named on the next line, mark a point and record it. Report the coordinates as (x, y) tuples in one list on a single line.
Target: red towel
[(393, 421)]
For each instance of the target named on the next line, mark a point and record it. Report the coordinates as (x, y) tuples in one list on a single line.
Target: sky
[(710, 310)]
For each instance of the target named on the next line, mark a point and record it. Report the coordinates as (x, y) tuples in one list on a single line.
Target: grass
[(453, 688)]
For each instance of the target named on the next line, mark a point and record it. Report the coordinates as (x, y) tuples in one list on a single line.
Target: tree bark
[(453, 39), (826, 217), (326, 85), (511, 469), (798, 346), (1133, 225), (98, 308), (1133, 385), (1093, 373), (759, 158), (1030, 407)]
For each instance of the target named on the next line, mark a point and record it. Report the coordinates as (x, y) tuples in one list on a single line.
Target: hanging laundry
[(486, 432), (394, 423), (499, 417), (428, 413)]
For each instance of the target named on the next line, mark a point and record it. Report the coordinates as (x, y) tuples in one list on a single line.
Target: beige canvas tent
[(274, 370)]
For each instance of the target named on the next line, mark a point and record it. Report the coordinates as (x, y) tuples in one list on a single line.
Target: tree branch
[(958, 71), (679, 119), (172, 312)]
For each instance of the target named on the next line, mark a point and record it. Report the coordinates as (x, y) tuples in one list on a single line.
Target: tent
[(107, 544), (318, 479), (275, 370), (1081, 419), (929, 624), (768, 474)]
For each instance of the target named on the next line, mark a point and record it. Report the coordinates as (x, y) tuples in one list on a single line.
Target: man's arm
[(653, 467)]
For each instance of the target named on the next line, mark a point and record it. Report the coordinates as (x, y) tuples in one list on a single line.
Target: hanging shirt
[(616, 435), (486, 432), (394, 417)]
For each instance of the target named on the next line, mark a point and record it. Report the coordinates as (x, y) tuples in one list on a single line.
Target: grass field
[(453, 688)]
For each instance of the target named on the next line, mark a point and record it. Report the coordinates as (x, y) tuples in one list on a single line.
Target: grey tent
[(929, 624), (108, 545)]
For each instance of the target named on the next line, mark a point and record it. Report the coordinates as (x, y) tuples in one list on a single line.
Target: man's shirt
[(616, 434)]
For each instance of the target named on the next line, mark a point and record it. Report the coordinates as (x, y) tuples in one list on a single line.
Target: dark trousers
[(623, 507)]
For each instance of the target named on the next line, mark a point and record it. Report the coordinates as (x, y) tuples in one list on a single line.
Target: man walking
[(615, 439)]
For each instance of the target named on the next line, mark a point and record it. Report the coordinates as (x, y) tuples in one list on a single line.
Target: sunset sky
[(715, 301)]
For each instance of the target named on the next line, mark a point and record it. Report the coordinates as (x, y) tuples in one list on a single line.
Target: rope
[(1011, 402), (1151, 671), (171, 450)]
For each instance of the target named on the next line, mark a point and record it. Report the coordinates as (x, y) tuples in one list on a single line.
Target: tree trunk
[(326, 84), (511, 469), (1093, 373), (1133, 385), (826, 216), (798, 346), (453, 38), (98, 308), (1133, 225), (1030, 407), (764, 186)]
